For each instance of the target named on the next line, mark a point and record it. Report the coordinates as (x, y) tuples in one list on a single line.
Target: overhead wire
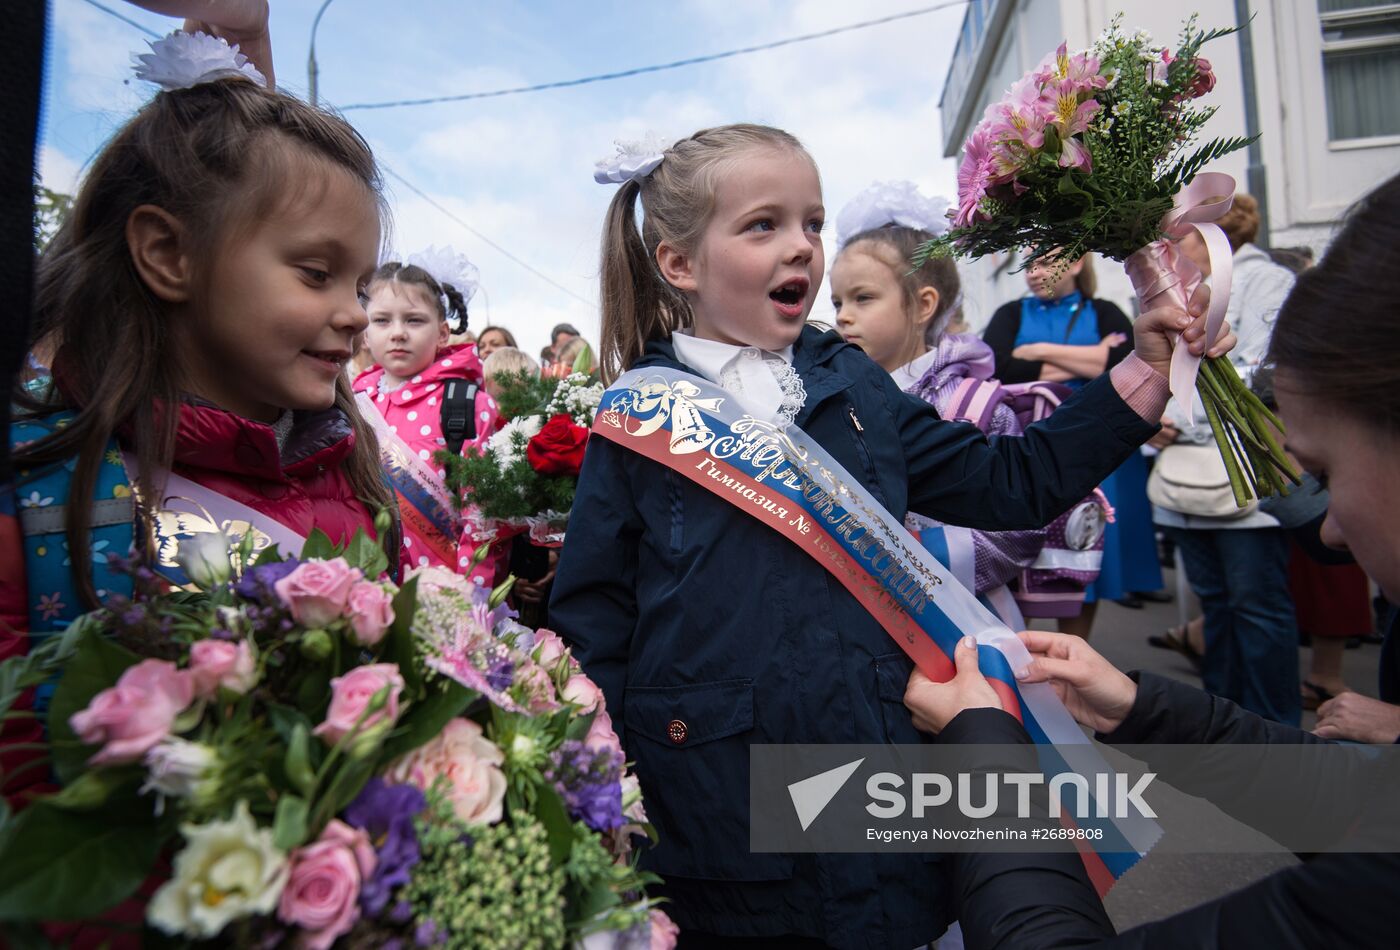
[(407, 184), (660, 67)]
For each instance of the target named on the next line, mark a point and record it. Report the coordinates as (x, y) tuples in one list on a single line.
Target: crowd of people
[(200, 315)]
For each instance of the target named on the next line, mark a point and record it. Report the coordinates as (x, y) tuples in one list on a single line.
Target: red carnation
[(558, 449)]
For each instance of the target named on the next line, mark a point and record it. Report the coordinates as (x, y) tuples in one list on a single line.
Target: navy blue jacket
[(684, 609)]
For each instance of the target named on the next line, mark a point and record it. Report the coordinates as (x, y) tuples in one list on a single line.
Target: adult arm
[(594, 602), (1000, 335)]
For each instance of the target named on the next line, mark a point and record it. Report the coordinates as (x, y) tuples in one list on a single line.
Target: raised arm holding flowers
[(1092, 152)]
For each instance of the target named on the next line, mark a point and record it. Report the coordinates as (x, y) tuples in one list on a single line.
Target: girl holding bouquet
[(200, 303), (658, 582), (412, 394)]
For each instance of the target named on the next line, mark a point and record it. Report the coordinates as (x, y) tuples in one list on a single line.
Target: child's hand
[(1154, 331), (934, 705)]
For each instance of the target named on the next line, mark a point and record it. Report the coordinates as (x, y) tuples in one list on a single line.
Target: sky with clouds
[(518, 169)]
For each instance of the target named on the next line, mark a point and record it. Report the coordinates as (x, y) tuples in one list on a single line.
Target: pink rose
[(351, 695), (215, 663), (322, 895), (663, 931), (601, 734), (371, 610), (130, 718), (315, 591), (550, 647), (582, 691), (469, 762)]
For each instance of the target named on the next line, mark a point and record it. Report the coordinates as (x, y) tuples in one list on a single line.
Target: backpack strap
[(458, 413), (975, 401)]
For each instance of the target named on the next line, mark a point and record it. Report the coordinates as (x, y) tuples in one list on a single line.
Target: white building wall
[(1311, 181)]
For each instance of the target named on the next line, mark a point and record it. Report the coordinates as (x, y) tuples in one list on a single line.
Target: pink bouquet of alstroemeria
[(1095, 151), (305, 753)]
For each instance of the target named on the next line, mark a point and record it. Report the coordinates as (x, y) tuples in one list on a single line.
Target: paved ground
[(1163, 884)]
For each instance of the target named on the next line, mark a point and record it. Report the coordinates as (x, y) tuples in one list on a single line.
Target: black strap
[(458, 414)]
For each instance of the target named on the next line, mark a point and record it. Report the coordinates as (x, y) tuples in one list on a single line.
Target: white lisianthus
[(179, 768), (227, 870), (204, 558)]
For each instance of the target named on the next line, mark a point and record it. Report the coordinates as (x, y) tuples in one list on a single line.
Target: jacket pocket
[(891, 679), (691, 748)]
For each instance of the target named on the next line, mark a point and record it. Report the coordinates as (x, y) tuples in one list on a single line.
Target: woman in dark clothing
[(1060, 332), (1336, 346)]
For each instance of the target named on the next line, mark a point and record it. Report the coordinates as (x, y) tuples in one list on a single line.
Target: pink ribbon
[(1164, 277)]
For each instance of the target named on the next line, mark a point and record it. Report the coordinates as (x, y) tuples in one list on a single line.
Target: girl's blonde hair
[(677, 201), (218, 156), (507, 359), (896, 246)]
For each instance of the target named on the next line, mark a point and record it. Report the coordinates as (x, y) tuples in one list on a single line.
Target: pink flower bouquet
[(325, 757), (1095, 151)]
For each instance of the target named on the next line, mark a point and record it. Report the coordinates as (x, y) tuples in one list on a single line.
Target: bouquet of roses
[(303, 751), (524, 478), (1093, 152)]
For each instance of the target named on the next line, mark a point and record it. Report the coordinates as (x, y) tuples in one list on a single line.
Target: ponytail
[(455, 312), (678, 198), (638, 304)]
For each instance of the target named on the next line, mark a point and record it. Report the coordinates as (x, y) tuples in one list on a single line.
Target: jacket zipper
[(866, 459)]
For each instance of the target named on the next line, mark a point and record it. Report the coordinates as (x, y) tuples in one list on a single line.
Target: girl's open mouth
[(790, 297)]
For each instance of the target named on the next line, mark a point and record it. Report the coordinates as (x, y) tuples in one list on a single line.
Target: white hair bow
[(182, 60), (891, 202), (633, 160), (447, 266)]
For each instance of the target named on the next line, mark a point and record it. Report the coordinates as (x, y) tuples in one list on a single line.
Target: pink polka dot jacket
[(413, 412)]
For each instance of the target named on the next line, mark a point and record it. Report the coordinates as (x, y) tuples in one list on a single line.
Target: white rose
[(228, 869)]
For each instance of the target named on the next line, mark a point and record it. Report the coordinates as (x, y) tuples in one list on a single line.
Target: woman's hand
[(934, 705), (1154, 331), (1094, 691), (1358, 718), (243, 23)]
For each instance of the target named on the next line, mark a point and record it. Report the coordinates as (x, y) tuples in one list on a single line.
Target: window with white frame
[(1361, 68)]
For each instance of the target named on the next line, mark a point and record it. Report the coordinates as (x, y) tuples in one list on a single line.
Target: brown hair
[(447, 300), (1337, 338), (509, 337), (1086, 281), (1241, 222), (896, 246), (677, 201), (215, 156)]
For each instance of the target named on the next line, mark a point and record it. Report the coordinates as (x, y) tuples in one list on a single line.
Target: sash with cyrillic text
[(785, 479)]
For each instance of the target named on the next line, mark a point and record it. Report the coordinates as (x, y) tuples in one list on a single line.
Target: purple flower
[(590, 782), (427, 934), (256, 583), (386, 812)]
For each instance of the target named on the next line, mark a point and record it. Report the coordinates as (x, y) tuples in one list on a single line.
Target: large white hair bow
[(447, 266), (633, 160), (182, 60), (891, 202)]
